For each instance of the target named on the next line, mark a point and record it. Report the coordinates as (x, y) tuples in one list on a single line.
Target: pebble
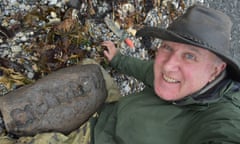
[(16, 49)]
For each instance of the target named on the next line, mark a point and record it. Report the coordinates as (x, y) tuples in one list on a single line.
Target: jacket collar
[(211, 93)]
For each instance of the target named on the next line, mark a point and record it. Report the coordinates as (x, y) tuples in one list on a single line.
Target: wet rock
[(74, 4), (60, 102)]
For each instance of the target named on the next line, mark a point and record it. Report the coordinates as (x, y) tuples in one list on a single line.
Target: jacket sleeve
[(217, 127), (104, 130), (140, 69)]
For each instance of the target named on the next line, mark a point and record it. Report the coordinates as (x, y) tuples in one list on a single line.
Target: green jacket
[(144, 118)]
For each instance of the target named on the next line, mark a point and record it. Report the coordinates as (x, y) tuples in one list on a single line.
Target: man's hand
[(111, 50)]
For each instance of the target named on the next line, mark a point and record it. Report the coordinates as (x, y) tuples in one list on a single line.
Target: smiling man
[(182, 69), (192, 93)]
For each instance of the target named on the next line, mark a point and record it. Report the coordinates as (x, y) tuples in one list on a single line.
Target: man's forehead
[(187, 46)]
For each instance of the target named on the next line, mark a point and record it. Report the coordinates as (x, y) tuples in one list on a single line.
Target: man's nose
[(172, 63)]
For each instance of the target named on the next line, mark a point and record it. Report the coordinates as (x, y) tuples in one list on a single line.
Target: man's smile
[(169, 79)]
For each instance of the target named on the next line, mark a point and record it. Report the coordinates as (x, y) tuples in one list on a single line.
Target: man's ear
[(219, 67)]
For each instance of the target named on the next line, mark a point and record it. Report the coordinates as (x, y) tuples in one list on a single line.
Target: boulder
[(60, 101)]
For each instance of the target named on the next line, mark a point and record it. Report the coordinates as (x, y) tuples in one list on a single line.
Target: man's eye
[(190, 56)]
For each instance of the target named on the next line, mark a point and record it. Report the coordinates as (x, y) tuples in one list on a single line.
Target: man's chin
[(166, 96)]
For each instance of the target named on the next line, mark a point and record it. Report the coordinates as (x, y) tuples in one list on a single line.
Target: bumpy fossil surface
[(60, 102)]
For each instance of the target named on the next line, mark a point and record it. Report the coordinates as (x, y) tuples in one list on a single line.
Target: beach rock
[(60, 101)]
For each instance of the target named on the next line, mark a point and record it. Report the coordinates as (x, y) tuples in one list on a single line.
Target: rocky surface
[(38, 37)]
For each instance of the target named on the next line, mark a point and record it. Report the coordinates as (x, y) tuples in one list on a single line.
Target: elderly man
[(192, 93)]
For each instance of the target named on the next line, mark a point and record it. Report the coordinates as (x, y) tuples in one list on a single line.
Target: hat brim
[(165, 34)]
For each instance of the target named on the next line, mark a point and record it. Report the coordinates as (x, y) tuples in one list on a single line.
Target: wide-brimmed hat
[(202, 27)]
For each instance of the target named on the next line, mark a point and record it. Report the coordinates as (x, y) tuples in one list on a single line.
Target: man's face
[(181, 69)]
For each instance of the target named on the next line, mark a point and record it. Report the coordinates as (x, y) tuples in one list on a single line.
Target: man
[(192, 93)]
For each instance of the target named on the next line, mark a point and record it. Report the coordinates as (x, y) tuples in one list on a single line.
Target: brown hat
[(202, 27)]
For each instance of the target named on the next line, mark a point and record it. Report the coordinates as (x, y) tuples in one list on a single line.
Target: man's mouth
[(169, 79)]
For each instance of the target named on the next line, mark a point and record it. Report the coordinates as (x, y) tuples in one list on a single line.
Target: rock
[(59, 102), (74, 4)]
